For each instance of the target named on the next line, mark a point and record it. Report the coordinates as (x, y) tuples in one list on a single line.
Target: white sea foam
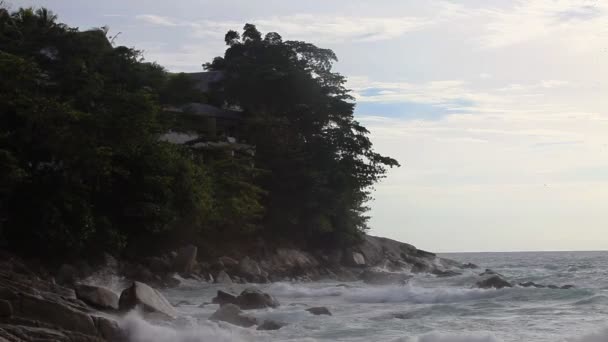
[(418, 295), (439, 337), (138, 330), (600, 336)]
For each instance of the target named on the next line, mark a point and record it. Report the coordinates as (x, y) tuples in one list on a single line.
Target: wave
[(419, 295), (597, 299), (139, 330), (439, 337), (298, 291)]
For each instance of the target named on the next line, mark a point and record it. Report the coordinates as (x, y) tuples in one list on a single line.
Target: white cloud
[(156, 20)]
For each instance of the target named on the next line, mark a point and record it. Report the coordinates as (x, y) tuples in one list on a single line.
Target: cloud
[(529, 20), (156, 20)]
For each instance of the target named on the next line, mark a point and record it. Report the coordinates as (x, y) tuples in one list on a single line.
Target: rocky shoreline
[(68, 305)]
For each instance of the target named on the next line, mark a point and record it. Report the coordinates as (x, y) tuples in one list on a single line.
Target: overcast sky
[(496, 109)]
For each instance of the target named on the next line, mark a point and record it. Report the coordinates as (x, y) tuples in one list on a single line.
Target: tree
[(300, 118)]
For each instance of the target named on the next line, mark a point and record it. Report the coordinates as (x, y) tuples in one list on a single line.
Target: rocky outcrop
[(97, 296), (493, 282), (319, 310), (140, 294), (249, 269), (252, 298), (232, 314)]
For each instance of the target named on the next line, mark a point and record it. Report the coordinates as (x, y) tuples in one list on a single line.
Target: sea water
[(428, 309)]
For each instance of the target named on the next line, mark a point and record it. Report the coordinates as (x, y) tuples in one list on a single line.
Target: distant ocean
[(429, 309)]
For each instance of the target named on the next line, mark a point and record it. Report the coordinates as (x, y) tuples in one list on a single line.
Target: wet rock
[(493, 282), (445, 274), (469, 266), (6, 309), (489, 272), (109, 329), (531, 284), (171, 281), (57, 314), (185, 260), (384, 278), (567, 287), (228, 262), (252, 298), (232, 314), (224, 298), (319, 310), (150, 299), (354, 259), (271, 325), (97, 296), (249, 269), (223, 278)]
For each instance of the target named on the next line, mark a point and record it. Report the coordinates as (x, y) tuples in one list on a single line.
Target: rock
[(493, 282), (232, 314), (171, 281), (150, 299), (185, 260), (567, 287), (271, 325), (109, 329), (469, 265), (6, 309), (57, 314), (384, 278), (249, 269), (97, 296), (252, 298), (223, 278), (445, 274), (67, 275), (531, 284), (319, 310), (488, 272), (224, 298), (353, 259), (228, 262)]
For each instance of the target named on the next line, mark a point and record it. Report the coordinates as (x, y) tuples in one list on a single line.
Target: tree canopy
[(83, 166), (299, 116)]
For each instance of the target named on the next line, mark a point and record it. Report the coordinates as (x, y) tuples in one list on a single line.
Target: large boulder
[(493, 282), (110, 330), (223, 278), (148, 298), (227, 262), (373, 277), (55, 313), (224, 298), (232, 314), (97, 296), (249, 269), (252, 298), (185, 261)]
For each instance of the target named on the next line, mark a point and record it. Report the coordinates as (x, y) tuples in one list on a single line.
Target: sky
[(496, 109)]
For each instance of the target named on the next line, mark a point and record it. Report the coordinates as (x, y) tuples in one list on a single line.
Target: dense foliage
[(82, 165), (300, 117)]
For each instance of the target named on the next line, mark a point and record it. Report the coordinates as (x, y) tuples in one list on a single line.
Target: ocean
[(428, 309)]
